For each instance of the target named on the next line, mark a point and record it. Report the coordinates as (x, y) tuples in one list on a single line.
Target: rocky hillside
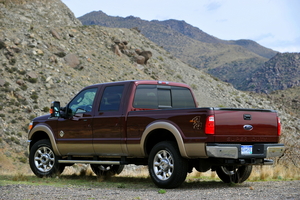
[(243, 63), (46, 54), (279, 73)]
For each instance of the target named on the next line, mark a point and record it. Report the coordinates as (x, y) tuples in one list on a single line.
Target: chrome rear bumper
[(233, 151)]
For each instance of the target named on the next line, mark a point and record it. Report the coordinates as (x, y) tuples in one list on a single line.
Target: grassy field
[(139, 178)]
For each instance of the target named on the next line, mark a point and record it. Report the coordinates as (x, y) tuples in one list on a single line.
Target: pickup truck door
[(108, 123), (75, 136)]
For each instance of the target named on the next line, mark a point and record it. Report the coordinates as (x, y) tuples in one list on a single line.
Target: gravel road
[(247, 190)]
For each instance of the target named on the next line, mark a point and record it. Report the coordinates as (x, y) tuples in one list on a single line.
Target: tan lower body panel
[(195, 150), (75, 149), (109, 150), (135, 150)]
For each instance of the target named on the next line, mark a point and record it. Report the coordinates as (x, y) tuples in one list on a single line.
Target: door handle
[(247, 117)]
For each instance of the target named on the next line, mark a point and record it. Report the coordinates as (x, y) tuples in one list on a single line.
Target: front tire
[(166, 166), (42, 160), (231, 174)]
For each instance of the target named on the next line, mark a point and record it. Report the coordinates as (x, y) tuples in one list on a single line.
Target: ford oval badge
[(248, 127)]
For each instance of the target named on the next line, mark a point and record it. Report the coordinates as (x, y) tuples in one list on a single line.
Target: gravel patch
[(248, 190)]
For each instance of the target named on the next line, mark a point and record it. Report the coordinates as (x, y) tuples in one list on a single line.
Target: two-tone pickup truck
[(152, 123)]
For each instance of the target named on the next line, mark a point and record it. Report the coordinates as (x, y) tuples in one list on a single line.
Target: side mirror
[(55, 109)]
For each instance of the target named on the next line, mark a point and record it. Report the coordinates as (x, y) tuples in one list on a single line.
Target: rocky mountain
[(197, 34), (221, 58), (279, 73), (46, 54)]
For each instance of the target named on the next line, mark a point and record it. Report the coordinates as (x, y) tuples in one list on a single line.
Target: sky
[(274, 24)]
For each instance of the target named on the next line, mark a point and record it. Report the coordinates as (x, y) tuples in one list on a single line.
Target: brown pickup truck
[(152, 123)]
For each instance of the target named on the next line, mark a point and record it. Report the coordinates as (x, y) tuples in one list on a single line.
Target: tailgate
[(245, 125)]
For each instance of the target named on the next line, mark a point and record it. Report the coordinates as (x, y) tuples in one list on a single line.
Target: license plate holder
[(246, 149)]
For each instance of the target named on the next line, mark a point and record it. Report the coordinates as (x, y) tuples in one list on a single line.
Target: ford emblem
[(248, 127)]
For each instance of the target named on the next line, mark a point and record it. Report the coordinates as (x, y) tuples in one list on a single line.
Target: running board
[(90, 162)]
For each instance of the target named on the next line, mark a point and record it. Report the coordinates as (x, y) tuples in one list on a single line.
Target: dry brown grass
[(259, 173), (277, 172), (20, 177)]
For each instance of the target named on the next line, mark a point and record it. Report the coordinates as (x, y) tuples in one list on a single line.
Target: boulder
[(140, 60), (117, 50), (72, 60), (55, 34), (32, 75), (146, 54)]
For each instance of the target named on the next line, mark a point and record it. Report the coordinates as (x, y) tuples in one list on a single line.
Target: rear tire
[(166, 166), (231, 174), (42, 160)]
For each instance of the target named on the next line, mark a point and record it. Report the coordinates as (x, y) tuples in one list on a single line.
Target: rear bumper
[(234, 151)]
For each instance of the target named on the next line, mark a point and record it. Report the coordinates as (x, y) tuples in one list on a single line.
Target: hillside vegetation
[(46, 54)]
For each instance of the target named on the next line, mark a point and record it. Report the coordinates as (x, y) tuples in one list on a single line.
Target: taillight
[(210, 125), (278, 127)]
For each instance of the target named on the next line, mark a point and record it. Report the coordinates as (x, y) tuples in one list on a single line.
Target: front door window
[(83, 102)]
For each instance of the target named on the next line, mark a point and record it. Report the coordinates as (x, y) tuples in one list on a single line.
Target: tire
[(167, 168), (107, 170), (42, 160), (231, 174)]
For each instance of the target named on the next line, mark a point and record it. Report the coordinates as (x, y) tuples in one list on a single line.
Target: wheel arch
[(162, 131), (40, 132)]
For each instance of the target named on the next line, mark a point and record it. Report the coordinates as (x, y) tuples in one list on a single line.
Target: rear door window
[(182, 98), (111, 99), (162, 97)]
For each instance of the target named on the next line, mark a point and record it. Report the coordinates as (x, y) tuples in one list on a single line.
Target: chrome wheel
[(163, 165), (167, 168), (44, 159)]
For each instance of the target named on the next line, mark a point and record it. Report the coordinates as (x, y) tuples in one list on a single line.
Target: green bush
[(46, 109), (23, 87), (34, 96), (32, 80)]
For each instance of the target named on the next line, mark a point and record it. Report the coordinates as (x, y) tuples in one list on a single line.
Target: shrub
[(22, 72), (32, 80), (61, 54), (23, 87), (46, 109), (2, 44), (23, 159), (12, 61), (34, 96)]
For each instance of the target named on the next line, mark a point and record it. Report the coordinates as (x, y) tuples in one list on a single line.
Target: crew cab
[(152, 123)]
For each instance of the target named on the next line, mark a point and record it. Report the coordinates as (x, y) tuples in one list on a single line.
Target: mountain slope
[(194, 47), (279, 73), (243, 63), (197, 34), (184, 41)]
